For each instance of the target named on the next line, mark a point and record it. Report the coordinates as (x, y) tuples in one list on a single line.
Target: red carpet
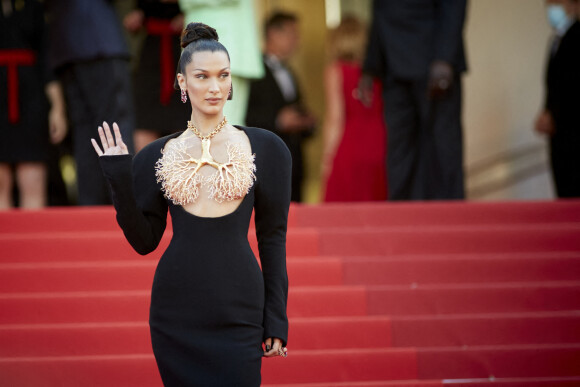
[(394, 295)]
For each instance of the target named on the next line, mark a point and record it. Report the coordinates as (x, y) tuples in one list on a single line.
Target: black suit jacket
[(407, 35), (265, 102), (563, 84)]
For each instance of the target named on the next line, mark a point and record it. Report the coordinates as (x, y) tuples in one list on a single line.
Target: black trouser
[(565, 162), (295, 147), (96, 91), (424, 142)]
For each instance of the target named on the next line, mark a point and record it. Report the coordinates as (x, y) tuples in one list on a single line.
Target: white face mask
[(557, 17)]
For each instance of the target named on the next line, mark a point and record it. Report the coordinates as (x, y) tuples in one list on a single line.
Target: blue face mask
[(557, 17)]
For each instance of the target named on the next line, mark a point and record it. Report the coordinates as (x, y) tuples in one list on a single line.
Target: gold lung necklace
[(178, 171)]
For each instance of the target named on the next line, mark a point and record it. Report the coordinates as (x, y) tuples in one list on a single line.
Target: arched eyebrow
[(205, 71)]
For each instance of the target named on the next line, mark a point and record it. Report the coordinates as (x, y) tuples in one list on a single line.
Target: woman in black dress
[(214, 314), (25, 111)]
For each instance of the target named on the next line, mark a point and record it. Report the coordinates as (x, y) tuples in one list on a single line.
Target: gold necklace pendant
[(216, 130), (178, 171)]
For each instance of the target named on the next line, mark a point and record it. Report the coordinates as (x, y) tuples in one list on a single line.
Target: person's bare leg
[(5, 187), (31, 179), (142, 137)]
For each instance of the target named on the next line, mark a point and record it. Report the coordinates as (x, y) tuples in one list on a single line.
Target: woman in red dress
[(353, 163)]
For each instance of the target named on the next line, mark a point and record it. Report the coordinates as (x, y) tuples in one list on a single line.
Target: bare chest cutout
[(203, 185)]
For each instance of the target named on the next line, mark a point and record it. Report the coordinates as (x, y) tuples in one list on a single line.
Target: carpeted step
[(501, 361), (310, 333), (494, 382), (376, 241), (67, 339), (469, 294), (119, 306), (382, 383), (134, 275), (308, 242), (123, 306), (140, 370), (72, 246), (486, 329), (70, 219), (435, 213), (74, 339), (340, 332), (515, 382), (76, 276), (88, 246), (135, 370), (137, 274), (102, 218), (78, 307), (437, 363), (327, 301), (59, 219), (467, 269), (468, 256), (324, 367), (316, 366), (473, 298)]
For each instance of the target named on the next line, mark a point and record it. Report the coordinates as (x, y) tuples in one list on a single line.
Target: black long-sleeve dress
[(23, 45), (211, 305)]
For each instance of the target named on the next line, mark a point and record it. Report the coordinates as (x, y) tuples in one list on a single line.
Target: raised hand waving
[(108, 141)]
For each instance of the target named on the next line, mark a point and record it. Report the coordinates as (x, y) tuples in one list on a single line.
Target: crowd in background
[(392, 125)]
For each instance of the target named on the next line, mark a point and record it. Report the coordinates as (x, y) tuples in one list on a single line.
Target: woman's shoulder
[(262, 138), (268, 147)]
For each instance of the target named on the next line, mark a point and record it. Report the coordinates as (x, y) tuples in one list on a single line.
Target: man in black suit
[(560, 118), (416, 49), (274, 101)]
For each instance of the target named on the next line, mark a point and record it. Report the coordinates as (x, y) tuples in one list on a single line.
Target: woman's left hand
[(274, 348), (108, 141)]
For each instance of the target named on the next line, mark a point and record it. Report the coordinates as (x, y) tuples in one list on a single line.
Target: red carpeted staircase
[(406, 294)]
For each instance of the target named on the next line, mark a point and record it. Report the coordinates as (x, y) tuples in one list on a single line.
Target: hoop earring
[(183, 96)]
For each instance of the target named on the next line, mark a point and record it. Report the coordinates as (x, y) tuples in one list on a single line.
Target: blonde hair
[(347, 42)]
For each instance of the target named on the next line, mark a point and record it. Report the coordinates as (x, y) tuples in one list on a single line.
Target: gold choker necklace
[(178, 171), (217, 129)]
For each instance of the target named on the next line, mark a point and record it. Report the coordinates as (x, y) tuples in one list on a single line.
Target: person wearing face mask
[(559, 119)]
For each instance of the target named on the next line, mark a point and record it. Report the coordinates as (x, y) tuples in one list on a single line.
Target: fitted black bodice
[(211, 305)]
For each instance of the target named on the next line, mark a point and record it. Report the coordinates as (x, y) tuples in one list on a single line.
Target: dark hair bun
[(197, 31)]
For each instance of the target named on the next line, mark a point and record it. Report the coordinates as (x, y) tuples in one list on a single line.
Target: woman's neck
[(205, 123)]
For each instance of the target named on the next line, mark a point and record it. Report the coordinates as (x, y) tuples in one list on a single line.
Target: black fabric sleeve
[(141, 207), (272, 201), (564, 95), (450, 30), (374, 63), (263, 106)]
